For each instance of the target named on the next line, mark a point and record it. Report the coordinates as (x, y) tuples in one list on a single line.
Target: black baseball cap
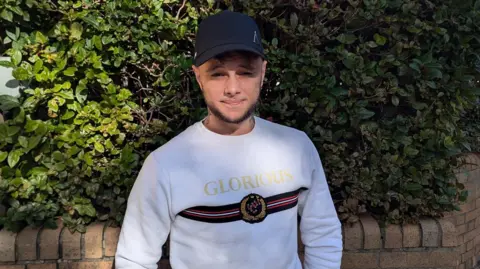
[(226, 31)]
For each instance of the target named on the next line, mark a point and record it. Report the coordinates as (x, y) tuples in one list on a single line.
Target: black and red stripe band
[(253, 208)]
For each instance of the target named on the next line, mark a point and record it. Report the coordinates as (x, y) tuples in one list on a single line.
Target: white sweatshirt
[(231, 202)]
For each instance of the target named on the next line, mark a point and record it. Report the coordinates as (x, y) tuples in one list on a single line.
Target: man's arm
[(320, 227), (147, 220)]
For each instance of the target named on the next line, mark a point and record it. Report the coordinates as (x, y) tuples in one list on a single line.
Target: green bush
[(379, 86)]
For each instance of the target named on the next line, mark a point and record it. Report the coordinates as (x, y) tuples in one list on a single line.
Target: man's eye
[(217, 75), (246, 73)]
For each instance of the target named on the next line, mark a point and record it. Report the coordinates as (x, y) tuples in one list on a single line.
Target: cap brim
[(211, 53)]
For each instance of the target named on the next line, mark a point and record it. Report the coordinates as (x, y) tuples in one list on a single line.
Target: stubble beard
[(219, 115)]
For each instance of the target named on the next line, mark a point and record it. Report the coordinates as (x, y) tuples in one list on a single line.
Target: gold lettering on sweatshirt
[(247, 182)]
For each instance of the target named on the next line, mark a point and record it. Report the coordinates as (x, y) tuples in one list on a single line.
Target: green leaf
[(85, 210), (81, 94), (7, 102), (13, 130), (16, 57), (23, 141), (434, 73), (380, 40), (3, 156), (68, 115), (40, 38), (76, 30), (99, 147), (31, 125), (58, 156), (14, 157), (364, 113), (52, 104), (476, 91), (339, 92), (395, 100), (17, 10), (410, 151), (38, 66), (413, 187), (20, 74), (97, 41), (11, 35), (33, 141), (347, 38), (70, 71), (7, 15)]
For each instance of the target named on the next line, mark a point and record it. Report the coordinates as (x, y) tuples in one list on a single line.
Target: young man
[(229, 188)]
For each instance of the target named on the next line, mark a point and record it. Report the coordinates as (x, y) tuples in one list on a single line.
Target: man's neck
[(218, 126)]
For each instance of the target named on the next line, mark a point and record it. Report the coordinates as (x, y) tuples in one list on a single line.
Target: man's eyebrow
[(213, 67)]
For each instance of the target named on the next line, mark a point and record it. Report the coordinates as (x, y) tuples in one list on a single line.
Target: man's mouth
[(233, 102)]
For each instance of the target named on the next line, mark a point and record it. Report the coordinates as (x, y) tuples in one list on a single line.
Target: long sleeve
[(320, 227), (147, 220)]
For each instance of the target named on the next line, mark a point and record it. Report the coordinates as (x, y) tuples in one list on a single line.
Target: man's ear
[(197, 76), (264, 70)]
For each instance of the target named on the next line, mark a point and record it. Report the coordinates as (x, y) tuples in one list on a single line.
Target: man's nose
[(232, 86)]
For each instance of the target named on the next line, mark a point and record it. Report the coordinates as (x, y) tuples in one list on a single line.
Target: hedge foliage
[(380, 86)]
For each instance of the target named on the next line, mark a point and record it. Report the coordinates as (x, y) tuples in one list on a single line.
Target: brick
[(7, 246), (469, 263), (477, 250), (441, 259), (430, 232), (467, 207), (419, 259), (49, 242), (432, 259), (42, 266), (470, 225), (471, 235), (94, 241), (449, 233), (462, 248), (460, 219), (467, 255), (27, 244), (111, 235), (477, 222), (86, 265), (461, 229), (461, 266), (412, 236), (460, 239), (351, 260), (393, 236), (393, 259), (462, 176), (71, 248), (371, 232), (472, 215), (12, 266), (469, 245), (353, 236)]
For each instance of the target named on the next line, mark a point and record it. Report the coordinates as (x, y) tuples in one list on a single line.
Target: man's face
[(231, 85)]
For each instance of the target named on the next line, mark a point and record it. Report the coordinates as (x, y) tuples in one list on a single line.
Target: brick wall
[(452, 242)]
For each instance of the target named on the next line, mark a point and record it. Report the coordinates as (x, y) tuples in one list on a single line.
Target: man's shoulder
[(176, 146), (283, 131)]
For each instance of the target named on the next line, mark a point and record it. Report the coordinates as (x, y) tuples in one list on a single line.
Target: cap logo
[(255, 37)]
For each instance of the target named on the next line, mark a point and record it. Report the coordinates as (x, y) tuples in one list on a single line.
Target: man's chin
[(232, 118)]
